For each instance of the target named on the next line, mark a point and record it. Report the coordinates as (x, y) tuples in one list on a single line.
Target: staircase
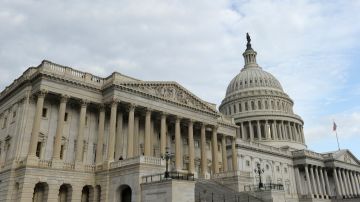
[(212, 191)]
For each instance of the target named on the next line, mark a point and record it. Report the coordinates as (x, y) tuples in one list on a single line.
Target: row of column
[(317, 181), (130, 140), (347, 183), (272, 130)]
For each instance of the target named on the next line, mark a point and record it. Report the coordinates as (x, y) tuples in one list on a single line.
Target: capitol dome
[(258, 104), (250, 78)]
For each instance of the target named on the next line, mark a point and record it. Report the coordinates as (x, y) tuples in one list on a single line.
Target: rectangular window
[(38, 149), (44, 112), (4, 123), (247, 163), (185, 141), (61, 151), (277, 168), (14, 114), (197, 144), (66, 116)]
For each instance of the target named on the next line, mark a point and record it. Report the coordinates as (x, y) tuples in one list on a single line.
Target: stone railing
[(69, 166), (44, 163), (307, 153), (89, 168), (136, 160), (265, 147), (59, 70), (231, 174)]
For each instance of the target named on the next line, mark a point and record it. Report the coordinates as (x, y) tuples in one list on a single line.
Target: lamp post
[(167, 158), (259, 171)]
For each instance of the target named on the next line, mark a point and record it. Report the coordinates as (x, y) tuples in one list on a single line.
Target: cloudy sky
[(312, 47)]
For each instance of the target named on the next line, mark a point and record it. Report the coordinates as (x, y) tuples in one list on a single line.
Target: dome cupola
[(259, 105)]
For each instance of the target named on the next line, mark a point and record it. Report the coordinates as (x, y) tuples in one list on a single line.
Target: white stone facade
[(67, 135)]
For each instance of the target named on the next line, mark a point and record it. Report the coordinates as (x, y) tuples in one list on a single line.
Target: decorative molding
[(172, 92)]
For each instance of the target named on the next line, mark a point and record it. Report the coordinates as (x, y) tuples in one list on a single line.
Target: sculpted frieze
[(173, 93)]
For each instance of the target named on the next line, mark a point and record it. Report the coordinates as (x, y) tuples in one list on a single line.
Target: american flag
[(334, 126)]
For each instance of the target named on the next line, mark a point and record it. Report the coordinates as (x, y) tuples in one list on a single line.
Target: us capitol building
[(67, 135)]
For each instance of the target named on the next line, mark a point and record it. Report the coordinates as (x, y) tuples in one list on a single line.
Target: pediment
[(171, 91), (346, 156)]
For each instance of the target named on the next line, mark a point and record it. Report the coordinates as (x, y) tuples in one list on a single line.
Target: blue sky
[(312, 47)]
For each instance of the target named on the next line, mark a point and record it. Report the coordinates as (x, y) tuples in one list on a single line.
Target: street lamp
[(259, 171), (167, 158)]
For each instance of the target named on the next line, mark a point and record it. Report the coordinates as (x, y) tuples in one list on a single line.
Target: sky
[(311, 47)]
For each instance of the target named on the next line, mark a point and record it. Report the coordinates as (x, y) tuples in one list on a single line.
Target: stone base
[(79, 166), (31, 161), (169, 190), (57, 164), (271, 195)]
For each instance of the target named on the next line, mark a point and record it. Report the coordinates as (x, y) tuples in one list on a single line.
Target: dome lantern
[(249, 55)]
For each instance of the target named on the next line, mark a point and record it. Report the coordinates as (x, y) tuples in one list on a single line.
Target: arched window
[(266, 104), (246, 106), (252, 105), (240, 107), (259, 104)]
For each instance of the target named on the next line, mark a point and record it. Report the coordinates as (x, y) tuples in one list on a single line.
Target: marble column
[(136, 139), (234, 154), (308, 180), (119, 146), (59, 128), (147, 133), (214, 150), (203, 151), (259, 130), (302, 134), (353, 183), (316, 169), (344, 183), (178, 156), (191, 147), (349, 183), (313, 180), (298, 180), (356, 180), (337, 183), (322, 181), (289, 131), (80, 136), (275, 134), (112, 131), (267, 132), (341, 183), (163, 134), (224, 154), (242, 131), (251, 131), (327, 185), (36, 124), (100, 139), (130, 140)]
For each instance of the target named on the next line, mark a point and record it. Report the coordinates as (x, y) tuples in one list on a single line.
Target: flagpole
[(337, 140)]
